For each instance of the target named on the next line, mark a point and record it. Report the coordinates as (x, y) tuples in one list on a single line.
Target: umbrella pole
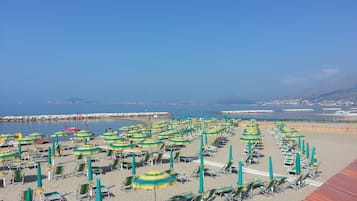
[(155, 193)]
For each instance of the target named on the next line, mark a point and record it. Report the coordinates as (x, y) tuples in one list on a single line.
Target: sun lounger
[(83, 192), (126, 185), (104, 191), (18, 177), (58, 172), (182, 197), (227, 167), (221, 191), (80, 169), (268, 189), (53, 196), (237, 194)]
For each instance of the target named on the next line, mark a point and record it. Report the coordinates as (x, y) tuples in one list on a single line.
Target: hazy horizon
[(111, 51)]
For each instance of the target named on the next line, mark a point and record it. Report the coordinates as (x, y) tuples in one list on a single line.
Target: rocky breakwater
[(32, 118)]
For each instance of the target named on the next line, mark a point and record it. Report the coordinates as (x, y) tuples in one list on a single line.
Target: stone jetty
[(32, 118)]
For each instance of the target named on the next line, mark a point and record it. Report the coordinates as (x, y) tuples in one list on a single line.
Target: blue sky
[(117, 51)]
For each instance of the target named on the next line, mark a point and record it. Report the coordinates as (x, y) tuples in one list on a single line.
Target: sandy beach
[(334, 142)]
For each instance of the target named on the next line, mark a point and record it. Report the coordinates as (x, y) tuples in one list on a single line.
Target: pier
[(32, 118), (245, 111)]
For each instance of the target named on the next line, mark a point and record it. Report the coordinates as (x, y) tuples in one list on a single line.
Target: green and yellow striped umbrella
[(179, 141), (82, 135), (86, 149), (36, 135), (8, 155), (26, 140), (154, 180), (138, 137), (109, 134), (252, 138), (8, 136), (112, 139), (150, 143), (120, 146), (59, 134)]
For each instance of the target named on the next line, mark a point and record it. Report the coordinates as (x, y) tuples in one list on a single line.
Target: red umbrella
[(72, 130)]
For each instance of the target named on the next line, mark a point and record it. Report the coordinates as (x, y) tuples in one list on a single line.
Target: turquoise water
[(99, 126)]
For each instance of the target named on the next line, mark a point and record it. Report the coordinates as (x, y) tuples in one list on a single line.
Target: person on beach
[(58, 149)]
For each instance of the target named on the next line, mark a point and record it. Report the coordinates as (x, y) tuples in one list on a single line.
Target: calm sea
[(99, 126)]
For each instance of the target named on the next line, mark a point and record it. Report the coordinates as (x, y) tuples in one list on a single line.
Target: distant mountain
[(349, 94)]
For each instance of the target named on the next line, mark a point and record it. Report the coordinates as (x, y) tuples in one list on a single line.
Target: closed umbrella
[(201, 152), (271, 174), (297, 164), (28, 194), (39, 176), (154, 180), (90, 173), (240, 173), (19, 148), (201, 187), (53, 148), (49, 161), (313, 157), (171, 160), (230, 158), (133, 164), (307, 150), (39, 179), (303, 147), (98, 193)]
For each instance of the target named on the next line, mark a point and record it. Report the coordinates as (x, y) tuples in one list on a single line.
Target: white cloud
[(326, 74)]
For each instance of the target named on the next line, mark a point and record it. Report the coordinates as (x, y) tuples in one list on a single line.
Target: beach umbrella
[(307, 150), (28, 194), (113, 139), (72, 130), (49, 161), (133, 164), (86, 149), (8, 155), (201, 187), (153, 180), (90, 173), (303, 147), (59, 134), (297, 164), (138, 137), (240, 173), (179, 141), (36, 135), (8, 136), (110, 133), (98, 193), (201, 153), (26, 140), (150, 143), (206, 139), (171, 160), (230, 158), (271, 174), (313, 157), (19, 148), (39, 176), (251, 138), (119, 146), (56, 139), (53, 148)]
